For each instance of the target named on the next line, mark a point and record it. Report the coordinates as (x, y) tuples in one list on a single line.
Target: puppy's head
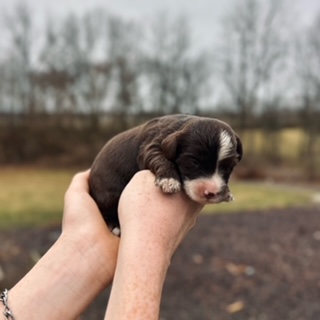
[(205, 152)]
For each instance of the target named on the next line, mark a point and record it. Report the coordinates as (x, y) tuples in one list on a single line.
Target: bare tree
[(95, 77), (271, 125), (18, 26), (308, 70), (123, 52), (252, 50), (54, 79), (177, 76), (76, 79)]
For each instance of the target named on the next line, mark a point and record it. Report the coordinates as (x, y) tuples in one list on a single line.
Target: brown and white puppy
[(196, 154)]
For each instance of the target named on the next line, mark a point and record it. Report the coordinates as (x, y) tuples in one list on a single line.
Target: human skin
[(87, 256), (150, 233), (76, 268)]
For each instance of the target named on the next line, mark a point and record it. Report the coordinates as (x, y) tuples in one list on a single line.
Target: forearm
[(138, 281), (151, 229), (62, 284)]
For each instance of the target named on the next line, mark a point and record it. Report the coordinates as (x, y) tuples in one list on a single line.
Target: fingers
[(143, 204), (78, 185), (79, 207), (80, 181), (77, 199)]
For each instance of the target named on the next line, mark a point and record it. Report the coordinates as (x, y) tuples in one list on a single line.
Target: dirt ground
[(252, 266)]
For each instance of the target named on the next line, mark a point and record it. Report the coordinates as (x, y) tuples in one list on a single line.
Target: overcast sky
[(200, 11), (204, 15)]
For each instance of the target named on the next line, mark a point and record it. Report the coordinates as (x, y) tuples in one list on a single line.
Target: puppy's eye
[(193, 162), (228, 163), (228, 170)]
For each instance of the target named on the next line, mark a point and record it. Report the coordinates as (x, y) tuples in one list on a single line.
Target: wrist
[(96, 252), (66, 279), (138, 282)]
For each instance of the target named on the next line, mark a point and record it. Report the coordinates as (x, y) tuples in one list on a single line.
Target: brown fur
[(158, 146)]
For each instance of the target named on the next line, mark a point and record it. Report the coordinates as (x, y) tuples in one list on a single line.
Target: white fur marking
[(168, 185), (191, 186), (225, 145), (116, 231)]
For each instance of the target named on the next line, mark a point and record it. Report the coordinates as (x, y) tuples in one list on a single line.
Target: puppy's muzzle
[(222, 196)]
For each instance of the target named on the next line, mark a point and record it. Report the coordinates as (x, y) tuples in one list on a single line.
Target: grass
[(251, 196), (34, 197), (291, 140)]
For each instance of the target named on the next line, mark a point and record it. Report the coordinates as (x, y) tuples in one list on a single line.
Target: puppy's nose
[(208, 194)]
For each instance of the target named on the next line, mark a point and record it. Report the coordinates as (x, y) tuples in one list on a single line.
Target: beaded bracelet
[(4, 299)]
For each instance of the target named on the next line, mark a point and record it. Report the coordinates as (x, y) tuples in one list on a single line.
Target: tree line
[(264, 69), (100, 63)]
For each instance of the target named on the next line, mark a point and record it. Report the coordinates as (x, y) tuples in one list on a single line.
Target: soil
[(252, 266)]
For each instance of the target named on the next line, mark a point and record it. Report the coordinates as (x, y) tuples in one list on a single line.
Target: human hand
[(83, 225), (153, 224), (151, 215), (79, 265)]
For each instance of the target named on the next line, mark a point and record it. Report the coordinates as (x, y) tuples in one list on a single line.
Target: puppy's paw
[(116, 231), (168, 185), (229, 197)]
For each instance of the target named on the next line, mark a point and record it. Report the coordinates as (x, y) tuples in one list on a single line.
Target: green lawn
[(290, 139), (250, 196), (32, 196), (35, 197)]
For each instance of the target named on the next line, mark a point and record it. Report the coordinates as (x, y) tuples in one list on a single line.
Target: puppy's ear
[(170, 143), (239, 148)]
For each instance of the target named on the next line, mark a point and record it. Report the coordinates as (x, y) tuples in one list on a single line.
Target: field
[(31, 197), (34, 197), (259, 259), (291, 140)]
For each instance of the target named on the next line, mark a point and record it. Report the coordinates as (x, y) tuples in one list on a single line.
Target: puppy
[(195, 154)]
